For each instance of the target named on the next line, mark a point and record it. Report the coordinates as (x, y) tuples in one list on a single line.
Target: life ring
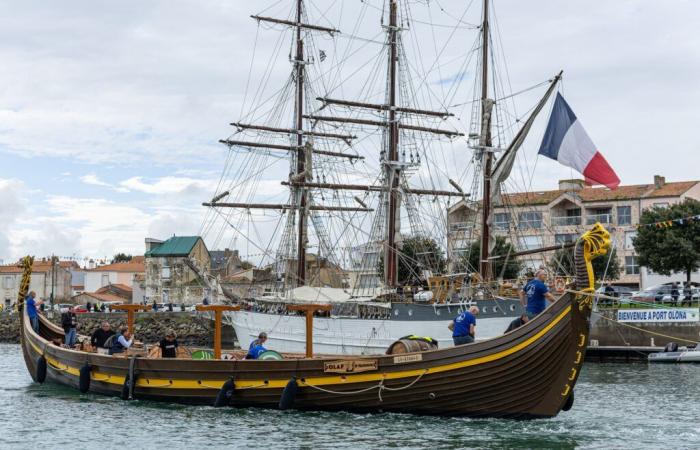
[(559, 284)]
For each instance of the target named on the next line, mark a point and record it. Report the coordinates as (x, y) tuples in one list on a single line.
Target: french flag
[(567, 142)]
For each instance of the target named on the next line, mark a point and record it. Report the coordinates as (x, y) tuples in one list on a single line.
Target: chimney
[(152, 243), (571, 185), (659, 181)]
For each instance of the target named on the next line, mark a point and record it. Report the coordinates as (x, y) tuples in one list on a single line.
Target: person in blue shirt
[(256, 347), (464, 326), (30, 303), (535, 294)]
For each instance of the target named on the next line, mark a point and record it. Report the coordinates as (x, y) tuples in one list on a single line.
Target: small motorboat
[(674, 354)]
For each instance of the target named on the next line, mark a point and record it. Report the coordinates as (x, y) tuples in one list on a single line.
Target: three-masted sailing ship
[(483, 379), (324, 138)]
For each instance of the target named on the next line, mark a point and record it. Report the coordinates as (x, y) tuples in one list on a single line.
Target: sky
[(111, 112)]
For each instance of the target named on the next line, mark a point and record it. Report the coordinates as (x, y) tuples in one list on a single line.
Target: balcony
[(591, 219), (562, 221), (462, 226)]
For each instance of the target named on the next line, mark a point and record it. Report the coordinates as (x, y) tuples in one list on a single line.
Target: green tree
[(673, 249), (502, 247), (121, 257), (604, 267), (416, 255)]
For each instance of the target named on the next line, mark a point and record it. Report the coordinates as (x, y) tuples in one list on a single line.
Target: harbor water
[(617, 406)]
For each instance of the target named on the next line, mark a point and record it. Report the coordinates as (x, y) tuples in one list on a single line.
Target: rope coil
[(380, 386)]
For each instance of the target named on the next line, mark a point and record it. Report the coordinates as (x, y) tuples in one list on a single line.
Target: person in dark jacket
[(675, 294), (517, 323), (121, 341), (69, 322), (99, 337), (168, 346)]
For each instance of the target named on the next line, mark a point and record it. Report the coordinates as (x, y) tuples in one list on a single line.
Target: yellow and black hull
[(527, 373), (530, 372)]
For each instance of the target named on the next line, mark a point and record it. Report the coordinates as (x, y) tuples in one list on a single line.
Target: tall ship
[(338, 182)]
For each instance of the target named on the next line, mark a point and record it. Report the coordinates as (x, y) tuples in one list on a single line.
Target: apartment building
[(538, 219)]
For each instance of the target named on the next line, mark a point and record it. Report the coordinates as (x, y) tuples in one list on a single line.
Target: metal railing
[(558, 221), (591, 219)]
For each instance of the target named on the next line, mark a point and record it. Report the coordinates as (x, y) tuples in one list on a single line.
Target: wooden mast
[(218, 310), (393, 170), (485, 145), (300, 191), (309, 309), (131, 309)]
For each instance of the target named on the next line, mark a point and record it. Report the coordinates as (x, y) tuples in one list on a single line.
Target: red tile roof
[(599, 194), (39, 266), (102, 297), (131, 266)]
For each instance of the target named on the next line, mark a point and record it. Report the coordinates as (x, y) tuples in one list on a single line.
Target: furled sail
[(505, 164)]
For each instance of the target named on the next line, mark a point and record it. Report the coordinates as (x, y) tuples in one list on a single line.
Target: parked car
[(623, 293), (618, 291), (80, 309), (661, 293), (62, 307)]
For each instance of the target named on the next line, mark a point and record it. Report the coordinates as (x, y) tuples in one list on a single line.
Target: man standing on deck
[(464, 326), (535, 293), (69, 322), (33, 314)]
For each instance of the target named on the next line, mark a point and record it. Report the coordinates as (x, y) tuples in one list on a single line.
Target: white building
[(117, 273)]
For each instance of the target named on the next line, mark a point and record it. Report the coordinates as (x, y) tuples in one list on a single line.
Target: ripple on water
[(617, 406)]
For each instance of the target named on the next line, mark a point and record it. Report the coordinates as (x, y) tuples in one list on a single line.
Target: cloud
[(167, 185), (94, 180), (124, 98), (12, 212)]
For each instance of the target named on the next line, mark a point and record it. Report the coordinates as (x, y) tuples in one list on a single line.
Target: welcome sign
[(658, 315)]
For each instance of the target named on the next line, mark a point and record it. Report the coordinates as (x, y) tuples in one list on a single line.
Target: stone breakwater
[(193, 329)]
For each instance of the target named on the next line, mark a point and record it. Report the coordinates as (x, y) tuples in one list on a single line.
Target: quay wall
[(195, 329), (605, 331)]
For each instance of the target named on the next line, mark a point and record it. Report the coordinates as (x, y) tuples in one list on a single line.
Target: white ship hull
[(348, 336)]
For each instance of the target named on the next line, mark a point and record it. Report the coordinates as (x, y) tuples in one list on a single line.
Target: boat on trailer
[(527, 373)]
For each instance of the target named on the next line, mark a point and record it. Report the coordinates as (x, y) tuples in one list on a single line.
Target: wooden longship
[(527, 373)]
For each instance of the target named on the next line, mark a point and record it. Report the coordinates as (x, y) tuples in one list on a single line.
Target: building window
[(661, 205), (631, 266), (8, 283), (501, 221), (165, 273), (602, 215), (530, 220), (530, 242), (629, 239), (105, 279), (624, 215), (565, 238)]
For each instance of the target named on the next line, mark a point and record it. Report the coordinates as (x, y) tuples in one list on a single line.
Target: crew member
[(121, 341), (33, 314), (463, 327), (69, 322), (534, 294), (517, 322), (168, 346), (100, 336), (256, 347)]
